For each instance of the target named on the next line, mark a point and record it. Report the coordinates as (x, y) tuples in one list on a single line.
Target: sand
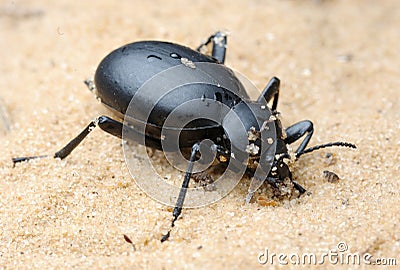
[(339, 66)]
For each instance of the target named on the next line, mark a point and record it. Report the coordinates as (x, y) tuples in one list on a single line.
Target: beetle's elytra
[(125, 71)]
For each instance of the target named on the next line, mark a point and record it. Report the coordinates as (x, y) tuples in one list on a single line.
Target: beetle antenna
[(317, 147)]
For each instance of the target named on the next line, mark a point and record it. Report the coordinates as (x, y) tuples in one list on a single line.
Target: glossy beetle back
[(126, 69), (122, 72)]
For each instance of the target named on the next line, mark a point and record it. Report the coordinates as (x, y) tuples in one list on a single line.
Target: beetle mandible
[(122, 72)]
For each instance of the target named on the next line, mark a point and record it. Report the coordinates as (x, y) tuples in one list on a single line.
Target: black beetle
[(125, 70)]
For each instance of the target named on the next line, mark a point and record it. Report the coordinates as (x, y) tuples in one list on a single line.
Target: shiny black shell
[(122, 72)]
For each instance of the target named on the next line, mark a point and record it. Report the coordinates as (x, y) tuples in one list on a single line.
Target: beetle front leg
[(273, 181), (271, 91), (296, 131), (299, 187), (219, 41)]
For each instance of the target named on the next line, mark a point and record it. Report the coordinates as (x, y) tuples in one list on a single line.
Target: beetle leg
[(299, 187), (209, 39), (296, 131), (112, 127), (273, 181), (108, 125), (219, 46), (182, 193), (219, 41), (271, 91), (66, 150)]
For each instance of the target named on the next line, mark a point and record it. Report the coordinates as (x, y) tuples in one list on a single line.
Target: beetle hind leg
[(66, 150), (104, 122)]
